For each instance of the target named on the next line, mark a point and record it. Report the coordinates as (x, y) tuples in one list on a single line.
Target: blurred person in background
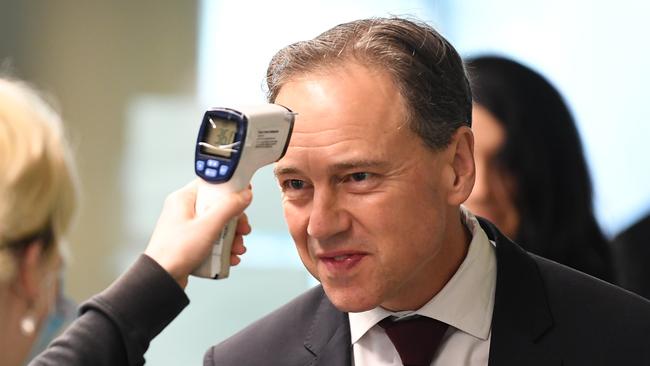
[(532, 179), (38, 196)]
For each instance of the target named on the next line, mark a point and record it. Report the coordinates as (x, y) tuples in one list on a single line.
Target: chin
[(347, 307), (349, 300)]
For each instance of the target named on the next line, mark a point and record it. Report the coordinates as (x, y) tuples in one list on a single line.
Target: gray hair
[(427, 70)]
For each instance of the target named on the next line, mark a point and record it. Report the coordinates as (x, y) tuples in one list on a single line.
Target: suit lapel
[(521, 316), (328, 338)]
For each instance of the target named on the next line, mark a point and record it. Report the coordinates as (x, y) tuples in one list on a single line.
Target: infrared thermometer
[(231, 146)]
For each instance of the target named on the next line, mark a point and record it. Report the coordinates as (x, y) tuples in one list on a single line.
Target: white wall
[(597, 54)]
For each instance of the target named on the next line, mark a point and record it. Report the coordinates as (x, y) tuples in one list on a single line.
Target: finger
[(232, 205), (238, 246), (182, 201), (234, 260), (243, 226), (243, 219)]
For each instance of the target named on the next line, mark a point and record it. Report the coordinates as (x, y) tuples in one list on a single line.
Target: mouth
[(341, 262)]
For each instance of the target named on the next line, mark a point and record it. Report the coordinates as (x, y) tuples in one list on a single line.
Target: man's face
[(364, 199)]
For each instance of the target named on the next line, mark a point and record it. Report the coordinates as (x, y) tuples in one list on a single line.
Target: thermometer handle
[(217, 264)]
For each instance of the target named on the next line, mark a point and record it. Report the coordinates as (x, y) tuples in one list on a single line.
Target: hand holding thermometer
[(232, 144)]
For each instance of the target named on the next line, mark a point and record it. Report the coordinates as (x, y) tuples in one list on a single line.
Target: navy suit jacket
[(544, 314)]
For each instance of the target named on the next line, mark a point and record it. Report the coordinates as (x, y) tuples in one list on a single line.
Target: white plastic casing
[(267, 136)]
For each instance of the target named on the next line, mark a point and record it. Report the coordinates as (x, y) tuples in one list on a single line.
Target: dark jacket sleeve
[(116, 326)]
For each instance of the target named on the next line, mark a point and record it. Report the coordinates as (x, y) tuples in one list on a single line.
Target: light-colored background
[(133, 77)]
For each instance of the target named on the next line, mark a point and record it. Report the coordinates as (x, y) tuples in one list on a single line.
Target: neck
[(14, 345), (439, 270)]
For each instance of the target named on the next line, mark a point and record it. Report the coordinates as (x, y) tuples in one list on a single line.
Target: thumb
[(232, 205)]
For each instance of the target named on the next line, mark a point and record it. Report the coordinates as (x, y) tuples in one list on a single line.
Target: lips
[(342, 261)]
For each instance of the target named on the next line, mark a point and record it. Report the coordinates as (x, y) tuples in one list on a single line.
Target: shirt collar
[(465, 302)]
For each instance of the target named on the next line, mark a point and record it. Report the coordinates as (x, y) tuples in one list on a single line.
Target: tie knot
[(416, 338)]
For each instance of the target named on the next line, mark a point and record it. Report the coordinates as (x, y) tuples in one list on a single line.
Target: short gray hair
[(424, 65)]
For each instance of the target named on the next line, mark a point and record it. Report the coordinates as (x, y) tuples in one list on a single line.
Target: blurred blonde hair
[(38, 181)]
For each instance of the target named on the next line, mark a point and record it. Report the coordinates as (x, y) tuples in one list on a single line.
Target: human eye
[(295, 189), (361, 181), (360, 176), (293, 184)]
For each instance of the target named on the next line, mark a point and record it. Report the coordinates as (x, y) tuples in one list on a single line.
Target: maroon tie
[(416, 338)]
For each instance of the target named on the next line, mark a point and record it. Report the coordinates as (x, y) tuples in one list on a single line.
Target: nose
[(328, 217)]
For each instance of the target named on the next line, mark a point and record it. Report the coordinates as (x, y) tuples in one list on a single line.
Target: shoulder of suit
[(568, 290), (278, 334), (290, 315), (580, 294)]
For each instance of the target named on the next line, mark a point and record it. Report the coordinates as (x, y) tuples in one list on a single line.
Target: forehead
[(345, 115), (345, 99)]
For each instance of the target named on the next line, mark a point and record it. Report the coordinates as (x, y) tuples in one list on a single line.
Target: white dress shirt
[(465, 303)]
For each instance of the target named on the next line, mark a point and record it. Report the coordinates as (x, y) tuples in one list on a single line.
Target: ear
[(29, 272), (461, 150)]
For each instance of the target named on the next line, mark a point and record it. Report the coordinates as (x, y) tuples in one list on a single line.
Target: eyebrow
[(342, 166)]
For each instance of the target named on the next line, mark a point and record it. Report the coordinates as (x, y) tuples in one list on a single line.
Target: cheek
[(504, 191), (297, 219), (47, 297), (424, 203), (508, 193), (417, 220)]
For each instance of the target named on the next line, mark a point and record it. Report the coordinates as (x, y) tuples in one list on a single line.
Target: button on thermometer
[(231, 146)]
